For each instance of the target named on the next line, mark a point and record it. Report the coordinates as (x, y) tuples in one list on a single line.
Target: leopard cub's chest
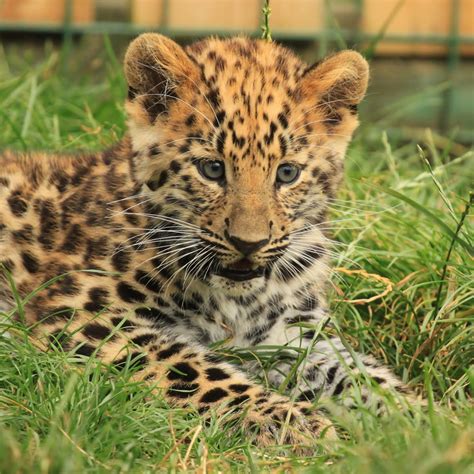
[(239, 320)]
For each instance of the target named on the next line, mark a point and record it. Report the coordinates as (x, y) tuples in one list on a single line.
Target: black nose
[(246, 247)]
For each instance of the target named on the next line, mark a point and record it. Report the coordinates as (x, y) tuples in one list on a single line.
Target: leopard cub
[(205, 223)]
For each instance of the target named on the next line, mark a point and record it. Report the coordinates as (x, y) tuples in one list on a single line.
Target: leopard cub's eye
[(287, 173), (211, 169)]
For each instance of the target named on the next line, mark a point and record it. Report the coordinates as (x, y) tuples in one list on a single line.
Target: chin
[(233, 287)]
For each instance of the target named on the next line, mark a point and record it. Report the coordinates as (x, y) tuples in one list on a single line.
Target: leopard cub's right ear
[(155, 66), (340, 80)]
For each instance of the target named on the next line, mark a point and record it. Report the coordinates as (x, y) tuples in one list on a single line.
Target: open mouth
[(240, 271)]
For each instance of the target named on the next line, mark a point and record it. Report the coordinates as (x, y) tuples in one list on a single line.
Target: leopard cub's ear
[(154, 68), (340, 79)]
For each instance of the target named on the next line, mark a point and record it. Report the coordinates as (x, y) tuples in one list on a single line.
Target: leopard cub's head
[(239, 146)]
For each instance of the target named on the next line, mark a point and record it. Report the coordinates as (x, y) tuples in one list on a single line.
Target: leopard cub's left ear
[(340, 79)]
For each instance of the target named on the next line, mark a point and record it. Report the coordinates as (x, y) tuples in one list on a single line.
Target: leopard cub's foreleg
[(188, 374), (329, 369)]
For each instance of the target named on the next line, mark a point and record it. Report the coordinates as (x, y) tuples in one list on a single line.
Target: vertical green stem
[(266, 31), (448, 256)]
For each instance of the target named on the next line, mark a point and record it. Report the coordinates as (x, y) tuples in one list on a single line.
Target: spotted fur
[(132, 245)]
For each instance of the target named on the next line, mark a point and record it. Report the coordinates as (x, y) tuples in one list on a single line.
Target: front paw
[(277, 420)]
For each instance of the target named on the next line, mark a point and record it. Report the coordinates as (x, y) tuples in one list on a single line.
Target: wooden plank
[(297, 15), (416, 17), (201, 15), (287, 15), (45, 11), (147, 12), (208, 14)]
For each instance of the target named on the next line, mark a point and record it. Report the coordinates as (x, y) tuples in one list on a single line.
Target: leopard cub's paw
[(278, 420)]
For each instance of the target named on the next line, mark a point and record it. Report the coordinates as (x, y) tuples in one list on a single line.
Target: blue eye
[(287, 173), (211, 169)]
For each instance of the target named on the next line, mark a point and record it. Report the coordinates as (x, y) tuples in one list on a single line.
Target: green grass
[(399, 218)]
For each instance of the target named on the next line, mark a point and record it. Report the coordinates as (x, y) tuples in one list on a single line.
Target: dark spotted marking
[(221, 141), (220, 64), (239, 400), (59, 339), (144, 339), (190, 120), (187, 304), (182, 371), (214, 98), (134, 360), (184, 148), (170, 351), (175, 166), (269, 137), (283, 145), (154, 184), (96, 248), (48, 222), (183, 390), (219, 118), (109, 154), (24, 235), (239, 142), (66, 285), (58, 314), (120, 260), (307, 396), (85, 350), (154, 314), (131, 93), (30, 262), (79, 174), (98, 300), (283, 120), (150, 283), (96, 331), (124, 324), (155, 150), (339, 387), (331, 373), (215, 373), (7, 264), (239, 387), (18, 206), (213, 395), (129, 294)]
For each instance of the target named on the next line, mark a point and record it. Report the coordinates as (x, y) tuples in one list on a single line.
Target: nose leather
[(245, 247)]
